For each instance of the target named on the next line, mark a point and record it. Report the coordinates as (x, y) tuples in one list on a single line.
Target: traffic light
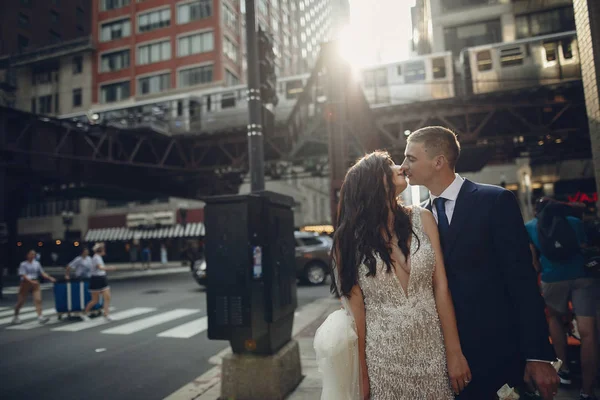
[(266, 63)]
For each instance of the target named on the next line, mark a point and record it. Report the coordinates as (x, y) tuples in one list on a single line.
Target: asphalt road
[(157, 346)]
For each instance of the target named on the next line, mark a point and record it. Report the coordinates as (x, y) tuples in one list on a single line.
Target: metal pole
[(255, 138)]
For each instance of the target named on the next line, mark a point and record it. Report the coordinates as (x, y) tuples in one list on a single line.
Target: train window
[(567, 49), (381, 77), (293, 89), (399, 70), (484, 60), (511, 56), (228, 100), (439, 67), (369, 78), (414, 71), (208, 102), (550, 49)]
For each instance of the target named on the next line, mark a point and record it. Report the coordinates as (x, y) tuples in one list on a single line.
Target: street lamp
[(67, 218)]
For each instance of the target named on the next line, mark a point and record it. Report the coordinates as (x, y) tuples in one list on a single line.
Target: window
[(399, 70), (115, 30), (438, 66), (484, 60), (567, 48), (79, 13), (79, 30), (77, 65), (45, 104), (460, 37), (193, 11), (263, 8), (154, 84), (231, 79), (545, 22), (195, 76), (56, 104), (414, 71), (511, 56), (33, 105), (114, 61), (154, 20), (112, 4), (310, 241), (228, 100), (195, 44), (77, 101), (230, 49), (23, 42), (23, 20), (550, 50), (54, 36), (54, 17), (154, 52), (229, 17), (114, 92)]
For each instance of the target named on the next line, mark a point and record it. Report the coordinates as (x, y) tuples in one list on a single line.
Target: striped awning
[(194, 229)]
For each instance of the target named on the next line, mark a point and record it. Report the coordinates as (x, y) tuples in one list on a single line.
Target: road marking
[(149, 322), (32, 325), (79, 326), (188, 330), (15, 289), (4, 308), (12, 312), (26, 316)]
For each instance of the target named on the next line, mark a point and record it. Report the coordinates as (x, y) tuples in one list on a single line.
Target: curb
[(206, 386)]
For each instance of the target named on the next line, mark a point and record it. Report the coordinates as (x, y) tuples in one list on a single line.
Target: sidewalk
[(308, 319)]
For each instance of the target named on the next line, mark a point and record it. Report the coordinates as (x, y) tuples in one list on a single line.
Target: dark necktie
[(443, 224)]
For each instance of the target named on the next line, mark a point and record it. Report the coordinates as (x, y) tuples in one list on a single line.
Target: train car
[(422, 78), (541, 60)]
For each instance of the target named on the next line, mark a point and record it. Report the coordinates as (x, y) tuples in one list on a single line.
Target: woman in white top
[(30, 271), (82, 265), (98, 281)]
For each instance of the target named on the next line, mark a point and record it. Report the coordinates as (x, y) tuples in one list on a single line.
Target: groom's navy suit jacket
[(499, 309)]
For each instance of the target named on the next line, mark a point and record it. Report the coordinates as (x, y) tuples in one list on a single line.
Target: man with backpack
[(556, 242)]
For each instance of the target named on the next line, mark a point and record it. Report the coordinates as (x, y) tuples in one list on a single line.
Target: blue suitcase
[(72, 296)]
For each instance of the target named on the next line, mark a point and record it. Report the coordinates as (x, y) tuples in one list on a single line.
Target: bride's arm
[(458, 368), (357, 307)]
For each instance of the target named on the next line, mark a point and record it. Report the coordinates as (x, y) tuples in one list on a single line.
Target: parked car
[(312, 257)]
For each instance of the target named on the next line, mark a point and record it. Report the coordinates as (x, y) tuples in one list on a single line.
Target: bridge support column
[(587, 20)]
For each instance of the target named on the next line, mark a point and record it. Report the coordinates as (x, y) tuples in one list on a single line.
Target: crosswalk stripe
[(4, 308), (187, 330), (32, 325), (11, 312), (26, 316), (149, 322), (79, 326)]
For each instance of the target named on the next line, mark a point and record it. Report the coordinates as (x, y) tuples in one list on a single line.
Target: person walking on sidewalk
[(82, 265), (99, 282), (30, 271)]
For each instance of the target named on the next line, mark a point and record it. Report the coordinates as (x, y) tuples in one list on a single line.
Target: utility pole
[(256, 156)]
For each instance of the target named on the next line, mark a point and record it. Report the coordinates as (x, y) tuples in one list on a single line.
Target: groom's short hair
[(438, 141)]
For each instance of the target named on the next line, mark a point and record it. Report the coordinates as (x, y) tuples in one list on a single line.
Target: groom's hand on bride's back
[(543, 377)]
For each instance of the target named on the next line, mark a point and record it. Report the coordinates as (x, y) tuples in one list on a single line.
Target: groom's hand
[(543, 377)]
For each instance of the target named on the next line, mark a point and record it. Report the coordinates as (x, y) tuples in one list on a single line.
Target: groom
[(499, 310)]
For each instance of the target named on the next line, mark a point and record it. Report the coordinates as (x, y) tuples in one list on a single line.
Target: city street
[(156, 344)]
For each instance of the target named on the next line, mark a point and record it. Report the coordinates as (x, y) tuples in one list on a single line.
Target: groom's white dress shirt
[(450, 194)]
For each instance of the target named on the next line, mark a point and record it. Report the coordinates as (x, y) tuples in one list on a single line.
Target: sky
[(379, 31)]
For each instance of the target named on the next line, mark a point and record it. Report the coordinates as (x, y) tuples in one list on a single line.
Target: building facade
[(29, 24), (452, 25)]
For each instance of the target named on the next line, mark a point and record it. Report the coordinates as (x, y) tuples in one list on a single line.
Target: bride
[(396, 336)]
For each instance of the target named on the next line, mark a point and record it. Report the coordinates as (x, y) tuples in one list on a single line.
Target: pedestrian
[(30, 271), (163, 254), (146, 257), (499, 310), (557, 238), (82, 265), (99, 282)]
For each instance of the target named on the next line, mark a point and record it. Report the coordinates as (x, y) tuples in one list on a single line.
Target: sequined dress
[(405, 352)]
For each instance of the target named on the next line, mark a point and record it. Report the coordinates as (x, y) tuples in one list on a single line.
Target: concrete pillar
[(587, 20)]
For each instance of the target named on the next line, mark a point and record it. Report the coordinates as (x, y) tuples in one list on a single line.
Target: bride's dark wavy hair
[(362, 217)]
